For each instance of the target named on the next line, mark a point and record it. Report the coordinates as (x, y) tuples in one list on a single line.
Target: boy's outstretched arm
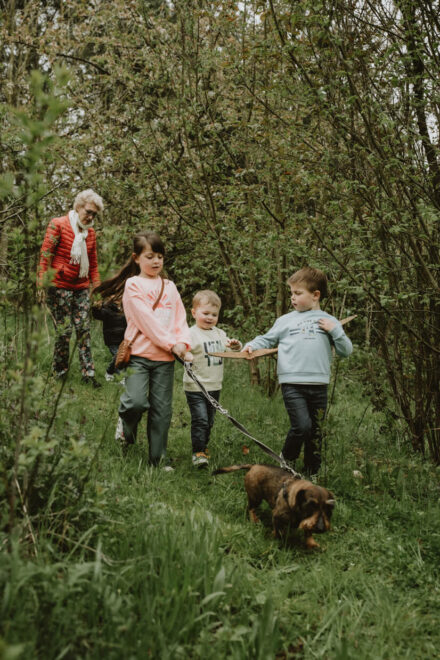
[(268, 340)]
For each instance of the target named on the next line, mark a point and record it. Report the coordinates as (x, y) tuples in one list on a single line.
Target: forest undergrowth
[(115, 559)]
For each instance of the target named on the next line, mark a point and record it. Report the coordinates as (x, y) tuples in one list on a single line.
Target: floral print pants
[(71, 309)]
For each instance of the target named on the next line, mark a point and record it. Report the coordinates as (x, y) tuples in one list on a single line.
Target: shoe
[(91, 380), (109, 377), (119, 433), (167, 468), (200, 459)]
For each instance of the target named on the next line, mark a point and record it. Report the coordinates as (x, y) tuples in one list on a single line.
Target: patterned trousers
[(71, 309)]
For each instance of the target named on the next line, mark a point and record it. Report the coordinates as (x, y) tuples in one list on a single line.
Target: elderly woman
[(69, 248)]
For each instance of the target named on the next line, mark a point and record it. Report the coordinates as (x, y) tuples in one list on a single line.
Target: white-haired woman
[(69, 248)]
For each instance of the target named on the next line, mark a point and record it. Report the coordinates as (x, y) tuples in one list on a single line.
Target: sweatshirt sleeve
[(269, 340), (97, 312), (181, 327), (342, 343), (48, 249), (103, 313), (142, 315)]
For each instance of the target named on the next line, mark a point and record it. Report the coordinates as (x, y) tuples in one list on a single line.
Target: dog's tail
[(233, 468)]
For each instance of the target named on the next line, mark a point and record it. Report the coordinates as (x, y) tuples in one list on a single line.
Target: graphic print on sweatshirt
[(307, 329), (163, 311), (214, 346)]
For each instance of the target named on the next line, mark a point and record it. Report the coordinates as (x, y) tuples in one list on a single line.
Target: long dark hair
[(113, 287)]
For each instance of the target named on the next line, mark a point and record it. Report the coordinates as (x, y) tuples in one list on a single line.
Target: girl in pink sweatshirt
[(157, 328)]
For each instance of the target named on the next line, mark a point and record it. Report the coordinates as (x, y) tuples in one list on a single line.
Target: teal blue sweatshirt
[(304, 350)]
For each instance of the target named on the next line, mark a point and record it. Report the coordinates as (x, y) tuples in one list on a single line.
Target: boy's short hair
[(312, 278), (206, 296)]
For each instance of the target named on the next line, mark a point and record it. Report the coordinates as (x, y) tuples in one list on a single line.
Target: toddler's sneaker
[(109, 377), (200, 459), (119, 433)]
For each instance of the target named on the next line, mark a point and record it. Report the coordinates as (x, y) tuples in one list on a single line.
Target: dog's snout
[(320, 525)]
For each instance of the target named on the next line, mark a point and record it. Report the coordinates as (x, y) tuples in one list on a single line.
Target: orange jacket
[(55, 252)]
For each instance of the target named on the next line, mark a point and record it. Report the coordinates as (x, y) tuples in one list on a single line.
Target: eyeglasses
[(93, 214)]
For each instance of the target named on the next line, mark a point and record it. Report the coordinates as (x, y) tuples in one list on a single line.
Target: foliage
[(256, 137), (44, 468), (374, 105)]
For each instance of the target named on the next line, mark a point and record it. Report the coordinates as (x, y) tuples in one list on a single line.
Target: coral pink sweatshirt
[(160, 329)]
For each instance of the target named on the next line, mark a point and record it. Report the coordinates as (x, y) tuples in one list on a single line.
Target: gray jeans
[(149, 386)]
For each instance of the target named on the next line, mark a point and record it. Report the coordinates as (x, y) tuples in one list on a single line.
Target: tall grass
[(166, 565)]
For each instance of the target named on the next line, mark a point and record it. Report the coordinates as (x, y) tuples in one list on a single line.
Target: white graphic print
[(309, 329), (214, 346)]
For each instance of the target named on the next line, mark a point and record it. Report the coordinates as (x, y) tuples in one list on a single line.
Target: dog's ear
[(300, 497), (330, 500)]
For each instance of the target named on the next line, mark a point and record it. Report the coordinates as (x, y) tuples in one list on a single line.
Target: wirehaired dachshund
[(297, 503)]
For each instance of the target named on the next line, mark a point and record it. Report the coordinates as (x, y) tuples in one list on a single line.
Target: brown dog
[(294, 502)]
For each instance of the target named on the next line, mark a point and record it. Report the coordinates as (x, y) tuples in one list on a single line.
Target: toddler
[(205, 338)]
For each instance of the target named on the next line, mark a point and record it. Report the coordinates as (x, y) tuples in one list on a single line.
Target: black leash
[(215, 404)]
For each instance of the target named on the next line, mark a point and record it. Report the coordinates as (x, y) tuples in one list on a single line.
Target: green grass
[(166, 565)]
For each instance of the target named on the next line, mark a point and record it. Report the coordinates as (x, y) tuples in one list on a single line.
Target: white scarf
[(78, 253)]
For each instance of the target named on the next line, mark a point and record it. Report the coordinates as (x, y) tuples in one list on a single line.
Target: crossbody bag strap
[(157, 301)]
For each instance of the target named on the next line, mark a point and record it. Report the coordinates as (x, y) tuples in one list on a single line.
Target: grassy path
[(167, 565)]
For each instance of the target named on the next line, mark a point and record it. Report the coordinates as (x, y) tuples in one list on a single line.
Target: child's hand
[(248, 349), (326, 324), (188, 357), (233, 344), (180, 350)]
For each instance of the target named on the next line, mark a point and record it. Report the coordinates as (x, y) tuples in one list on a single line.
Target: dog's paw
[(311, 544), (253, 516)]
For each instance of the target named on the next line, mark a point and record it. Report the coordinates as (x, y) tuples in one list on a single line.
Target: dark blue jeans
[(111, 369), (306, 406), (202, 418)]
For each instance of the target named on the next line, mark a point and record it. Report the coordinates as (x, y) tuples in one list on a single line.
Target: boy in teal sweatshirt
[(305, 338)]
